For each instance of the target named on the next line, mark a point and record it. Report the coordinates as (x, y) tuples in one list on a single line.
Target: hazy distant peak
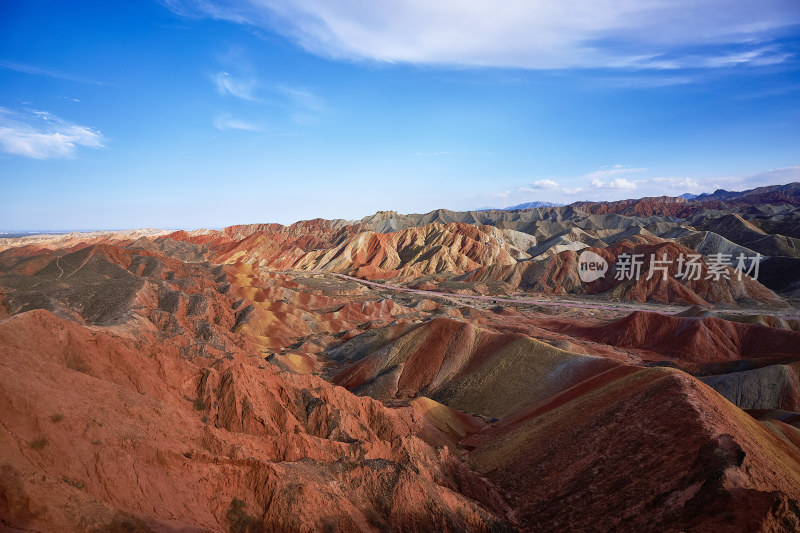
[(526, 205)]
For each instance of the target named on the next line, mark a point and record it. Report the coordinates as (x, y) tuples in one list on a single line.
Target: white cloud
[(654, 34), (42, 135), (613, 170), (605, 177), (239, 87), (226, 122), (775, 176), (616, 183), (537, 186), (680, 185), (607, 185), (545, 184)]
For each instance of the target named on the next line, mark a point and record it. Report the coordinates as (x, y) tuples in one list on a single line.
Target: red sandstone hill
[(465, 367), (454, 248), (643, 207), (468, 253), (126, 434), (268, 243), (559, 274), (165, 419), (413, 252), (182, 382), (690, 340), (694, 462), (513, 250), (141, 392)]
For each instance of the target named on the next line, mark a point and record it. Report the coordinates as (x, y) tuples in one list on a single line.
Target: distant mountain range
[(773, 192), (526, 205), (529, 205)]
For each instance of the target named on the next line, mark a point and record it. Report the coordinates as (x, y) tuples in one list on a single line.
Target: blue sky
[(187, 114)]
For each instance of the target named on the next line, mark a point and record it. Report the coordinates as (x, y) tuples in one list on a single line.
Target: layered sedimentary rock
[(239, 380)]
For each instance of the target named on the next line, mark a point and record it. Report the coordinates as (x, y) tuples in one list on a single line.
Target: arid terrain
[(449, 371)]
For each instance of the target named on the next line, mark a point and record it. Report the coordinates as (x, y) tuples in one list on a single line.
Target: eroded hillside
[(439, 372)]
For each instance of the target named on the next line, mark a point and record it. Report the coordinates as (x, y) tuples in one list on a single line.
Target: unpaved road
[(667, 309)]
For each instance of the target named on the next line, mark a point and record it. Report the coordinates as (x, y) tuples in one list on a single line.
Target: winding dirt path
[(666, 309), (659, 308)]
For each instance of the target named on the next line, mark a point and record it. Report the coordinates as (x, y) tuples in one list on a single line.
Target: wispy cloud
[(431, 154), (45, 71), (305, 106), (225, 121), (639, 34), (613, 170), (651, 81), (302, 97), (678, 185), (710, 56), (772, 176), (759, 57), (243, 88), (302, 105), (42, 135)]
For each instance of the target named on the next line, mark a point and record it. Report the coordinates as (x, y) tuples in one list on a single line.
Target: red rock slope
[(643, 450), (162, 418)]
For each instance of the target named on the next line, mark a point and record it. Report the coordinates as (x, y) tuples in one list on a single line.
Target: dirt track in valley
[(786, 314)]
